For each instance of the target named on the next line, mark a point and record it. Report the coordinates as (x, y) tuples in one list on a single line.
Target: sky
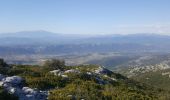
[(86, 16)]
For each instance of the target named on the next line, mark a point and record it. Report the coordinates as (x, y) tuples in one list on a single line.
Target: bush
[(76, 91), (54, 64), (3, 67)]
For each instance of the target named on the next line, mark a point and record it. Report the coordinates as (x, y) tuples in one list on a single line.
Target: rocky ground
[(15, 85)]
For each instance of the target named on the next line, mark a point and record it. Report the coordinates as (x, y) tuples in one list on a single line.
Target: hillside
[(89, 82), (149, 69), (159, 79)]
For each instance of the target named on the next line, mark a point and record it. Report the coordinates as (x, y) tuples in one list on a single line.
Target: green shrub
[(54, 64)]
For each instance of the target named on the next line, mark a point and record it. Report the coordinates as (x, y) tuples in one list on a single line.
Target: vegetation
[(3, 67), (80, 85), (156, 79), (54, 64)]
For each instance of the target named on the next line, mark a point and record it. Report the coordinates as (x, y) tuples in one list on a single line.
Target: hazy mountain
[(43, 42), (28, 37), (131, 38), (35, 38)]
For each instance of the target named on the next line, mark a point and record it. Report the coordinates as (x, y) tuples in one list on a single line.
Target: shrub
[(54, 64)]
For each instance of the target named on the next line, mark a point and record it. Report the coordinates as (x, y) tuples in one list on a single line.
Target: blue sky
[(86, 16)]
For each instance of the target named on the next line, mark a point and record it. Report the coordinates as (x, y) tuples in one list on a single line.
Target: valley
[(144, 64), (84, 50)]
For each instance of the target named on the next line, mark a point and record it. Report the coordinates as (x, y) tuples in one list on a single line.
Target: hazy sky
[(86, 16)]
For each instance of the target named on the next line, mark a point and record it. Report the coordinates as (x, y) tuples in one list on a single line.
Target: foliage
[(85, 86), (45, 82), (89, 90), (3, 67), (36, 77), (155, 79), (54, 64)]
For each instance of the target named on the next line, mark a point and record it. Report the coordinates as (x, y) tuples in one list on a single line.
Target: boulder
[(72, 71), (13, 85), (102, 70), (55, 72), (27, 90), (13, 80)]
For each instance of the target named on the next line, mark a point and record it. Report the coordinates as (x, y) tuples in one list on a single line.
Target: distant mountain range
[(35, 38), (44, 42), (28, 37)]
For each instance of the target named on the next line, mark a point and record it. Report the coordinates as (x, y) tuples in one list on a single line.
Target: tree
[(54, 64), (1, 62), (4, 68)]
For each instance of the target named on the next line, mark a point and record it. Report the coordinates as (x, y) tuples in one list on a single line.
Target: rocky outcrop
[(98, 73), (14, 85), (102, 70), (63, 73)]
